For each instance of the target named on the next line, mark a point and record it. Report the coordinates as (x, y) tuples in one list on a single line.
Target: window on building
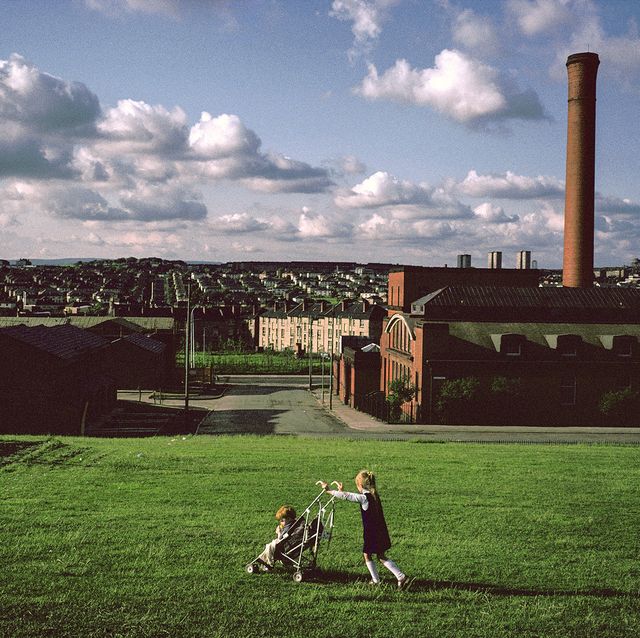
[(569, 345), (568, 390), (624, 345), (511, 345)]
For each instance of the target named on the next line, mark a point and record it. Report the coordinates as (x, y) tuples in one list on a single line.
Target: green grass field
[(149, 537), (255, 363)]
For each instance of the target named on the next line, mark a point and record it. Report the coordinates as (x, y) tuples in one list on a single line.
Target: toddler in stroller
[(298, 539)]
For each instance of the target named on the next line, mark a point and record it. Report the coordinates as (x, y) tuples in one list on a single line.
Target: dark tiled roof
[(558, 300), (64, 341), (488, 296), (146, 343), (145, 323)]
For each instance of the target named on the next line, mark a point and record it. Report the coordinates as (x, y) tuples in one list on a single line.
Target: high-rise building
[(524, 260), (464, 261), (494, 259)]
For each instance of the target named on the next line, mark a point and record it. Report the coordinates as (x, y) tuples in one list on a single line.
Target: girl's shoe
[(402, 581), (374, 582)]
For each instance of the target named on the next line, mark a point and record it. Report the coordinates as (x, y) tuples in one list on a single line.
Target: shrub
[(458, 400), (400, 392), (620, 406)]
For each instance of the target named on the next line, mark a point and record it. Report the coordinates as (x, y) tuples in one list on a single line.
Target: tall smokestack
[(577, 269)]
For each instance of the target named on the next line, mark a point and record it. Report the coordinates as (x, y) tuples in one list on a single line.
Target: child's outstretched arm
[(354, 497)]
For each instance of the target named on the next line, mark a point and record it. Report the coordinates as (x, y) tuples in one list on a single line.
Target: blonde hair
[(286, 511), (367, 480)]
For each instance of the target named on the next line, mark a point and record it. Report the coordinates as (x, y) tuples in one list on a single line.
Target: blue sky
[(405, 131)]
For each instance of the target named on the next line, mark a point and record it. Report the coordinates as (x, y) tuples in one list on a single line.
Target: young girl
[(374, 527)]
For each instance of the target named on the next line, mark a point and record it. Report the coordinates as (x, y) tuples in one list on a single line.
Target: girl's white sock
[(393, 568), (373, 570)]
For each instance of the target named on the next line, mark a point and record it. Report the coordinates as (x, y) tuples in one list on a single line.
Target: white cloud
[(245, 248), (311, 225), (407, 199), (617, 205), (535, 17), (510, 186), (383, 189), (340, 167), (222, 136), (154, 202), (474, 32), (387, 228), (578, 26), (492, 214), (42, 102), (458, 86), (144, 128), (114, 8), (367, 17), (238, 223)]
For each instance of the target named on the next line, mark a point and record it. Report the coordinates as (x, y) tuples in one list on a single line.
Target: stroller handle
[(332, 483)]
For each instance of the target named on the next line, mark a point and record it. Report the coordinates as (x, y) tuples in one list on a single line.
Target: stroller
[(298, 548)]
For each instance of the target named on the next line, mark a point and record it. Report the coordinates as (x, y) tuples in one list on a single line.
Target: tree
[(400, 392)]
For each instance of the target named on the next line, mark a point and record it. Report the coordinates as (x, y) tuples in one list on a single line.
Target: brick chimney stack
[(577, 268)]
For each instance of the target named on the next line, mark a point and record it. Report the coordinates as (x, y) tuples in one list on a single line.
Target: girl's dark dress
[(374, 527)]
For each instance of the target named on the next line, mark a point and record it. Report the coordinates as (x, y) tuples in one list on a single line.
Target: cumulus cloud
[(387, 228), (617, 205), (224, 148), (492, 214), (347, 165), (147, 203), (534, 17), (245, 248), (367, 18), (151, 202), (144, 128), (458, 86), (238, 223), (133, 161), (409, 200), (44, 102), (475, 32), (510, 186), (579, 27), (223, 136), (312, 225)]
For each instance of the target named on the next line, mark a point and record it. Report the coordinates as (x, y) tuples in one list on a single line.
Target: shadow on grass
[(421, 585)]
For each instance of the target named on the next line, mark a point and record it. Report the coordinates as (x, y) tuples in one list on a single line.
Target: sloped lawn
[(149, 537)]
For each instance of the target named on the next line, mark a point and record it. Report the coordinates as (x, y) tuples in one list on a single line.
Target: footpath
[(364, 424)]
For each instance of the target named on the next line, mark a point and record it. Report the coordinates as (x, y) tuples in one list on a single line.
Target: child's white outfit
[(268, 555)]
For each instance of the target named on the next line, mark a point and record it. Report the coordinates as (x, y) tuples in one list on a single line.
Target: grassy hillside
[(149, 538)]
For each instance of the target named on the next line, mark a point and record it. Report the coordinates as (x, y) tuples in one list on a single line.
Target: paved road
[(270, 405), (284, 405)]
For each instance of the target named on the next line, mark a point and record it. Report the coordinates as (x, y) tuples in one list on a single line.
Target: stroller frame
[(313, 527)]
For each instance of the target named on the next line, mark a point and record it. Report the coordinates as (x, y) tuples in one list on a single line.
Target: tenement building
[(318, 326)]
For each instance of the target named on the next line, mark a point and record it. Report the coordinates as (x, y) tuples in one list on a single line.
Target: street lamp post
[(310, 352), (186, 357)]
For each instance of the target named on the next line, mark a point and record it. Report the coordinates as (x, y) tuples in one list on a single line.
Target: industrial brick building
[(562, 349), (565, 347)]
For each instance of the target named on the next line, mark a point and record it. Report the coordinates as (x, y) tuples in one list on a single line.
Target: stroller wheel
[(297, 577), (250, 568)]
